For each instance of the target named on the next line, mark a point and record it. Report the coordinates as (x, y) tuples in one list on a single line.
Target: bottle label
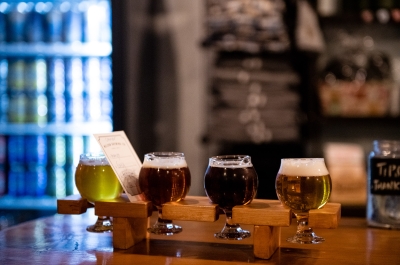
[(385, 176)]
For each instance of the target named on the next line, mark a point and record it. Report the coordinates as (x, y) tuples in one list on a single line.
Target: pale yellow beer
[(303, 184), (95, 179)]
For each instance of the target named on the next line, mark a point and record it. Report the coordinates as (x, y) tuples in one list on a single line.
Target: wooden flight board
[(131, 219)]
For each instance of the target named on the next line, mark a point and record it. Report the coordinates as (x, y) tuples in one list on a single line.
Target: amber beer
[(95, 179), (164, 179), (232, 184), (303, 184)]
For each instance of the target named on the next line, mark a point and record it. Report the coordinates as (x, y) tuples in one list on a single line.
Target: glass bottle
[(383, 204)]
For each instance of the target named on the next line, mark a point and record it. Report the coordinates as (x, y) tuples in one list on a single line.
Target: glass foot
[(306, 237), (232, 232), (102, 225), (164, 227)]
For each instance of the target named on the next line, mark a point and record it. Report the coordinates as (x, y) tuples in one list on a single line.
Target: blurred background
[(269, 78)]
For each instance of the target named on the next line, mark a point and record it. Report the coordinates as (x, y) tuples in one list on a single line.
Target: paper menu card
[(123, 160)]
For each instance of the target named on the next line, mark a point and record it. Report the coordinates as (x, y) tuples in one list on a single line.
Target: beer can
[(16, 180), (74, 148), (106, 68), (35, 76), (105, 21), (16, 20), (70, 186), (4, 9), (92, 77), (3, 180), (93, 109), (35, 180), (54, 23), (16, 149), (15, 80), (36, 150), (56, 181), (36, 109), (56, 109), (3, 149), (72, 22), (55, 77), (73, 77), (74, 109), (56, 150), (16, 109), (35, 22), (4, 105), (91, 21), (3, 75), (106, 108)]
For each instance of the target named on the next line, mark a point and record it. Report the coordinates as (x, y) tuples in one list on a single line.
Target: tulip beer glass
[(96, 181), (231, 180), (164, 177), (303, 184)]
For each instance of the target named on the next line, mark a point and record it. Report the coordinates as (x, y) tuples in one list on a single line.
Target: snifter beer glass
[(164, 177), (231, 180), (96, 181), (303, 184)]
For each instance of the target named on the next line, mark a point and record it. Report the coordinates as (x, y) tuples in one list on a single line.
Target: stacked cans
[(55, 89), (27, 85), (27, 160), (40, 165), (58, 21), (3, 164)]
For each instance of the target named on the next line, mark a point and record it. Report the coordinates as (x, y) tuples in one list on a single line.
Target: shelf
[(28, 203), (75, 128), (56, 49)]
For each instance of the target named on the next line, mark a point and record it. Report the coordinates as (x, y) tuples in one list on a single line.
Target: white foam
[(230, 161), (303, 167), (94, 161), (232, 166), (170, 162)]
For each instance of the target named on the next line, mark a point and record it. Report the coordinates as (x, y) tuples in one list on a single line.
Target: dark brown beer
[(229, 186), (161, 183)]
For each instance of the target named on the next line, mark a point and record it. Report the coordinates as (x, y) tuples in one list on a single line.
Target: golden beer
[(303, 184), (96, 180), (303, 193)]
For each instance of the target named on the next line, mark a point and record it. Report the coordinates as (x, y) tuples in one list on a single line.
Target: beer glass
[(96, 181), (230, 180), (164, 177), (303, 184)]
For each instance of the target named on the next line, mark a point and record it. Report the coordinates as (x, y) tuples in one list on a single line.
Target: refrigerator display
[(55, 92)]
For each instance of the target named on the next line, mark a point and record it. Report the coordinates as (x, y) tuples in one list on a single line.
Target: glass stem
[(302, 223), (160, 217), (229, 222)]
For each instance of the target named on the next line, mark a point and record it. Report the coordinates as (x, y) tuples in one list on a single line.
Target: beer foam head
[(164, 161), (93, 159), (231, 161), (306, 167)]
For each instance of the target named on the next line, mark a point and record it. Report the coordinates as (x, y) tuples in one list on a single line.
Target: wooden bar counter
[(62, 239)]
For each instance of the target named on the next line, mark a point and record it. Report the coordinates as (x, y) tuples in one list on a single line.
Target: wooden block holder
[(131, 219)]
